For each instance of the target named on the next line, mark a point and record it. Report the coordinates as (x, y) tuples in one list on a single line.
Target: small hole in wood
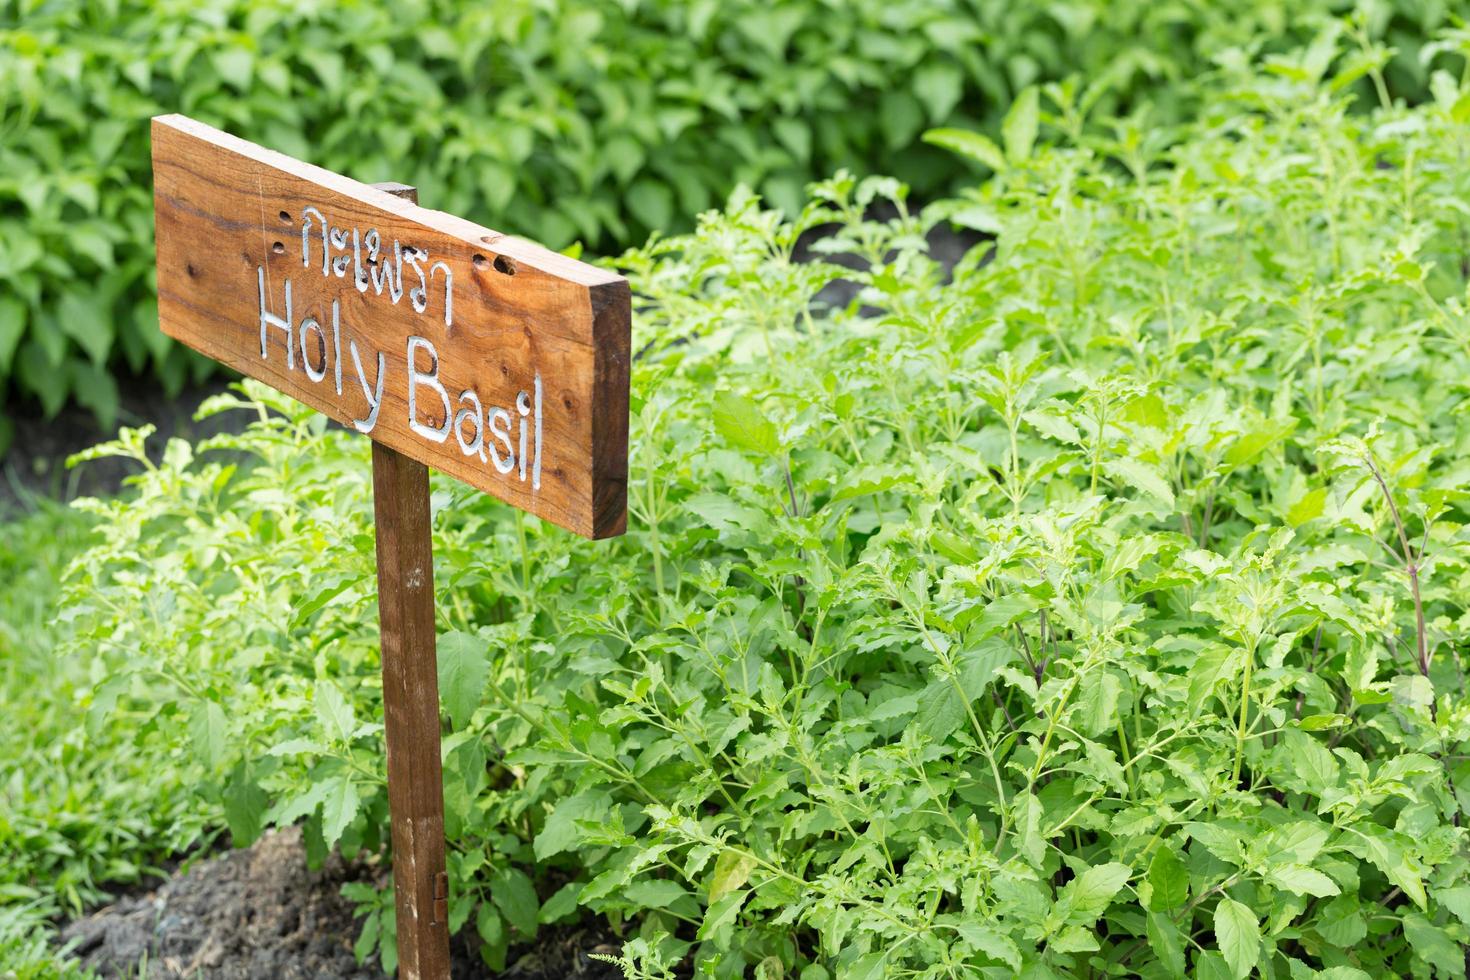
[(481, 263), (504, 265), (279, 248), (286, 216)]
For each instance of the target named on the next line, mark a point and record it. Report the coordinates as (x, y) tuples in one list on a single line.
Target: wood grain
[(411, 712), (229, 221)]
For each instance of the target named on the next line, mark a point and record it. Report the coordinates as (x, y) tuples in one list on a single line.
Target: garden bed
[(259, 912)]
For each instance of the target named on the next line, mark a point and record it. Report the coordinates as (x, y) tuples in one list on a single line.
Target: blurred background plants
[(560, 120), (71, 823)]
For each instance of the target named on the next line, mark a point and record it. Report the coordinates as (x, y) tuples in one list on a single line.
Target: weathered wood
[(490, 358), (325, 288), (411, 712), (411, 704)]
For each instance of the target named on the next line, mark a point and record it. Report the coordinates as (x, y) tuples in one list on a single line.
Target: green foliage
[(556, 120), (1097, 610), (78, 808)]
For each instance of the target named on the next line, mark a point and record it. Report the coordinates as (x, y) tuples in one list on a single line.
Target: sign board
[(484, 356), (451, 346)]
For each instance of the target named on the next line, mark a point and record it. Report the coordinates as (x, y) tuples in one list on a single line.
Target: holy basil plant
[(1093, 608)]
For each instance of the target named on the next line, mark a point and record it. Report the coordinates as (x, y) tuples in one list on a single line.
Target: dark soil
[(947, 246), (260, 912), (35, 463)]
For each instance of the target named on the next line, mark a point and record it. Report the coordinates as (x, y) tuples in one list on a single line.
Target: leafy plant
[(71, 820), (1095, 608), (557, 120)]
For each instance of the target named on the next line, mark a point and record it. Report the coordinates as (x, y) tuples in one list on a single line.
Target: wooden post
[(492, 359), (411, 705)]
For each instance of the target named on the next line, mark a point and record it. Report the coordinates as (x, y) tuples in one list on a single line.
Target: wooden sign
[(484, 356), (449, 345)]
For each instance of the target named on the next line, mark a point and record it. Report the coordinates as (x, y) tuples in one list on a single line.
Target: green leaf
[(1414, 690), (464, 667), (1088, 895), (292, 808), (980, 217), (95, 245), (991, 941), (1238, 935), (1298, 842), (490, 927), (1053, 426), (899, 117), (1302, 880), (1098, 703), (388, 945), (996, 616), (1210, 965), (1257, 440), (941, 710), (938, 85), (299, 746), (210, 733), (515, 896), (1312, 761), (724, 513), (866, 481), (12, 326), (560, 905), (560, 833), (367, 939), (732, 871), (95, 389), (872, 966), (1383, 847), (1456, 900), (339, 807), (104, 700), (624, 155), (1207, 671), (1167, 941), (721, 914), (973, 145), (651, 202), (741, 422), (323, 591), (333, 712), (245, 805), (654, 893), (942, 707), (41, 375), (1018, 130), (1169, 880), (87, 319), (1142, 477), (1341, 922), (1434, 946), (235, 65), (1028, 824), (1308, 508)]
